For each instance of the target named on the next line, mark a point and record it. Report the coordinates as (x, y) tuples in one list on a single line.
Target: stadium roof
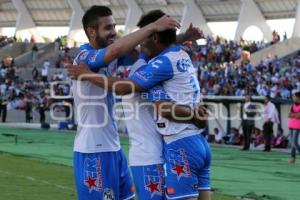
[(58, 12)]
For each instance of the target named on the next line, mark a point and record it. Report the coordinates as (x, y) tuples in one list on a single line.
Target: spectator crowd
[(219, 73)]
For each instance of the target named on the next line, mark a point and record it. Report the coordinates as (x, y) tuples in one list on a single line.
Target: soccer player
[(187, 154), (145, 154), (100, 166)]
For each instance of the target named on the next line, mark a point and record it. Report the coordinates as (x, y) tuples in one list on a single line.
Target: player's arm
[(97, 58), (143, 79), (182, 114), (129, 42), (191, 34), (175, 112), (117, 85)]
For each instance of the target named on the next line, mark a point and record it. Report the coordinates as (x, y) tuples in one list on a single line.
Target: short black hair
[(166, 37), (297, 94), (268, 97), (90, 17)]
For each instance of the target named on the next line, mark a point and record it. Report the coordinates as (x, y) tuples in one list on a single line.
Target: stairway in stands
[(280, 49)]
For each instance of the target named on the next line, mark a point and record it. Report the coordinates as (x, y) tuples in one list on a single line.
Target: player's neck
[(95, 45), (161, 48)]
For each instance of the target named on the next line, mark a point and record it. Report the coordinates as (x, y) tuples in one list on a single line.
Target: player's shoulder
[(174, 53)]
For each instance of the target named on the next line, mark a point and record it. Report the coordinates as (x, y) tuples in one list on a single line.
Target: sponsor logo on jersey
[(161, 125), (144, 75), (154, 180), (170, 190), (179, 163), (92, 174), (108, 194), (183, 64)]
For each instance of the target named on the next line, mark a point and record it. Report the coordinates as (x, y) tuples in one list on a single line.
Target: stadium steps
[(16, 49), (25, 59), (52, 56), (280, 49)]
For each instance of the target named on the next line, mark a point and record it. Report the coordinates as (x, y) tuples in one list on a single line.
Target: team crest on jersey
[(94, 56), (108, 194), (183, 65), (83, 55), (92, 174), (179, 163), (154, 180), (112, 68)]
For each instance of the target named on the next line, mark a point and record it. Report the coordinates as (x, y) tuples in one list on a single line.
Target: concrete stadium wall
[(15, 49), (281, 49), (26, 73), (220, 121)]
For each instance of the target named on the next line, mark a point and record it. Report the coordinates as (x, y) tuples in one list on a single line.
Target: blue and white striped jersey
[(174, 71), (97, 129)]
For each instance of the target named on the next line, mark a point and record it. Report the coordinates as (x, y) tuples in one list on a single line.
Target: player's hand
[(164, 23), (193, 33), (200, 117), (75, 71)]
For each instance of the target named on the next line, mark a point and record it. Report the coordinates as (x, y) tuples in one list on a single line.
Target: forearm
[(292, 115), (174, 112), (127, 43), (116, 85)]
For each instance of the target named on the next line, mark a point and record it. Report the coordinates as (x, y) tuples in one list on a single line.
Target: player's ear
[(91, 32), (155, 38)]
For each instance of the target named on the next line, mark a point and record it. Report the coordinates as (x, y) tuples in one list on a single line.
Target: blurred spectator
[(234, 137), (275, 37), (285, 36), (35, 51), (57, 44), (280, 141), (294, 126), (248, 121), (270, 117), (42, 106), (218, 136), (45, 70), (3, 104), (35, 73), (28, 106), (258, 138), (4, 40), (32, 40)]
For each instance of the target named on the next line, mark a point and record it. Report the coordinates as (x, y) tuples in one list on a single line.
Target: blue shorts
[(149, 181), (102, 175), (187, 167)]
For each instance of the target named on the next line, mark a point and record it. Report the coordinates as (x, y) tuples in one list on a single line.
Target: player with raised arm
[(100, 166), (186, 152)]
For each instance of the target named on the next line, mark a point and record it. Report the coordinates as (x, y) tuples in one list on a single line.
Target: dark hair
[(91, 16), (297, 94), (166, 37), (268, 97)]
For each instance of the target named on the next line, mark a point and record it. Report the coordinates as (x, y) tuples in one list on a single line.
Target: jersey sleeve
[(157, 93), (143, 56), (93, 58), (142, 60), (158, 70)]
